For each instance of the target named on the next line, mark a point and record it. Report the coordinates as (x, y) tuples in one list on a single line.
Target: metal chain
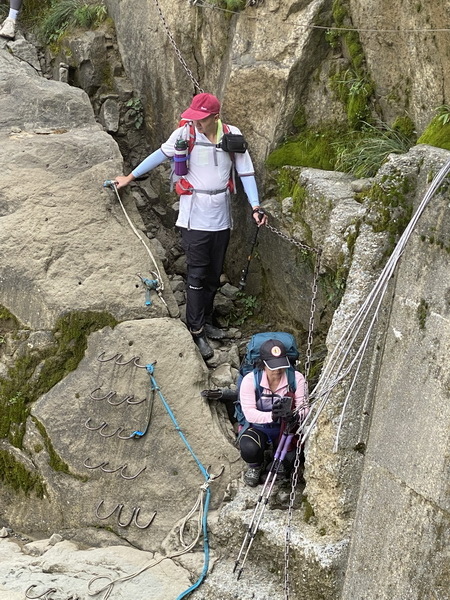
[(292, 495), (177, 51), (291, 240), (298, 451)]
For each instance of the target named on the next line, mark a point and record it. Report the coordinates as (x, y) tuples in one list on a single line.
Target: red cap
[(202, 106)]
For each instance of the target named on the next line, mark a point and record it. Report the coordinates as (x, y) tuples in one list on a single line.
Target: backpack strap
[(232, 182)]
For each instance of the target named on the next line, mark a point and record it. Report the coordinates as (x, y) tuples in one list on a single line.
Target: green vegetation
[(310, 148), (62, 16), (423, 310), (245, 308), (56, 463), (352, 84), (437, 132), (361, 145), (136, 112), (364, 154), (354, 89), (15, 475), (234, 5), (35, 373), (308, 511), (335, 147), (390, 208)]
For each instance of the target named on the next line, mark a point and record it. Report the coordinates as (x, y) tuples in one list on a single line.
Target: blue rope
[(150, 370)]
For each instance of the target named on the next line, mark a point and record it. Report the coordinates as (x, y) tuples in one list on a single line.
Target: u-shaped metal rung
[(110, 394), (133, 403), (116, 356), (130, 521), (147, 524), (112, 470), (95, 428), (127, 362), (118, 506), (44, 595), (108, 435), (132, 477), (136, 363), (102, 464)]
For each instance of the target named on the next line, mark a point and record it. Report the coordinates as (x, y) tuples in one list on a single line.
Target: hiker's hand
[(260, 216), (292, 422), (281, 409), (122, 180)]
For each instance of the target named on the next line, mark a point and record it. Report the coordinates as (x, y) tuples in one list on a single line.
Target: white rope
[(337, 368), (138, 235), (245, 15), (198, 507)]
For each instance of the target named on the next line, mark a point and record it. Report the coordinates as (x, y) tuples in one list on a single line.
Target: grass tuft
[(64, 15)]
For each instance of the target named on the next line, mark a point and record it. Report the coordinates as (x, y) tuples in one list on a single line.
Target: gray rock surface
[(64, 568), (107, 466), (69, 245)]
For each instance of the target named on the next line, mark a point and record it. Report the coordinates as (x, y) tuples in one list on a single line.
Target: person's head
[(204, 112), (273, 355)]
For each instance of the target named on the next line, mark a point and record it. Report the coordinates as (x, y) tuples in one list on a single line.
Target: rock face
[(386, 488), (267, 62), (63, 568), (403, 505), (417, 79), (90, 418), (68, 246)]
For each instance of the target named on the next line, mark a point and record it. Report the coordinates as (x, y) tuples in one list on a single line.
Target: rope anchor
[(149, 285)]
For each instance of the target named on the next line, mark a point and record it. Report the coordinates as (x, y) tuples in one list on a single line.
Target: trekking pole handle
[(260, 212)]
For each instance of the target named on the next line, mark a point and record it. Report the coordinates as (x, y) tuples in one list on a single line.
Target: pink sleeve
[(300, 403), (248, 402)]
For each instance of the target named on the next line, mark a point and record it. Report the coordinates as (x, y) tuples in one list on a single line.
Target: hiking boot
[(282, 472), (8, 29), (202, 344), (214, 333), (252, 475)]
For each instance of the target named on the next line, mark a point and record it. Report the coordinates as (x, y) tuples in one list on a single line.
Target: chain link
[(292, 241), (177, 51), (295, 474)]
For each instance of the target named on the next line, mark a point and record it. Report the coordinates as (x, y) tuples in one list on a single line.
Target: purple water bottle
[(180, 157)]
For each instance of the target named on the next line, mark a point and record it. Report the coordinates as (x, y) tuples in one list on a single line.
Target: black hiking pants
[(205, 255)]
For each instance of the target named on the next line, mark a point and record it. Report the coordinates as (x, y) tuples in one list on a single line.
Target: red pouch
[(183, 187)]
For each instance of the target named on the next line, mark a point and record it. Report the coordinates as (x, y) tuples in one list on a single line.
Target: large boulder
[(67, 244), (106, 437)]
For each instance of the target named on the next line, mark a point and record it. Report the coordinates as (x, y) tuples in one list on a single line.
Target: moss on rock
[(36, 372), (311, 148), (15, 475), (436, 134)]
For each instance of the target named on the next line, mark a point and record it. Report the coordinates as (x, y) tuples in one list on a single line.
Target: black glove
[(281, 409), (292, 422)]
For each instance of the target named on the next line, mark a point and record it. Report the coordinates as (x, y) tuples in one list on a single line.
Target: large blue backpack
[(248, 364)]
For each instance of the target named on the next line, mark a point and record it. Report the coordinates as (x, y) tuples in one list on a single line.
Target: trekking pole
[(262, 502), (244, 272)]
